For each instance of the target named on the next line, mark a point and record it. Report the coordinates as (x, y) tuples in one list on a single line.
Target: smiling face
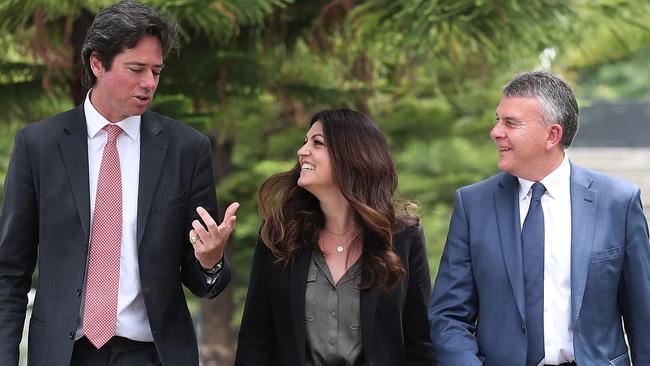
[(128, 87), (528, 148), (315, 162)]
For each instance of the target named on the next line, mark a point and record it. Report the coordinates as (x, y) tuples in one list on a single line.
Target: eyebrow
[(135, 63), (510, 119)]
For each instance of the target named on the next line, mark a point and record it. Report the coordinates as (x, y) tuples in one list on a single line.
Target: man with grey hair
[(545, 263), (117, 203)]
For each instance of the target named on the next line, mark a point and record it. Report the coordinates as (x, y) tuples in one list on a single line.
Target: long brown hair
[(363, 169)]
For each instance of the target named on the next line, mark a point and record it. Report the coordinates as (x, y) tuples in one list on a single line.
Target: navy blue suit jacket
[(477, 309)]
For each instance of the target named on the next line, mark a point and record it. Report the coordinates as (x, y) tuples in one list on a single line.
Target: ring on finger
[(193, 239)]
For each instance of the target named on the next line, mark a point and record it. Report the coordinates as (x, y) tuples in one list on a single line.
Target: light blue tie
[(532, 241)]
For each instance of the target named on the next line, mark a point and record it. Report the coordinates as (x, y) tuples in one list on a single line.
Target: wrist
[(214, 269)]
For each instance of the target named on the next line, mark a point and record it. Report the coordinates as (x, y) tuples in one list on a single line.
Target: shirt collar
[(556, 182), (95, 121)]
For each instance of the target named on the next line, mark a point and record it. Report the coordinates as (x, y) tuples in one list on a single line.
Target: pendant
[(339, 249)]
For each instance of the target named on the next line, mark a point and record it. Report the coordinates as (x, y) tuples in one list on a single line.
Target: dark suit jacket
[(394, 325), (46, 213), (477, 310)]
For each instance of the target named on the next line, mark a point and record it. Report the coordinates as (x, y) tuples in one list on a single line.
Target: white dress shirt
[(556, 205), (132, 320)]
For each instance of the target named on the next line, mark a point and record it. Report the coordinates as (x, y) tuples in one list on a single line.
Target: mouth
[(307, 166), (504, 149), (143, 99)]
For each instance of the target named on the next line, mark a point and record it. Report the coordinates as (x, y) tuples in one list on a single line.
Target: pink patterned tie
[(100, 309)]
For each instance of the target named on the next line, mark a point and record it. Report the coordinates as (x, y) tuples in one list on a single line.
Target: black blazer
[(46, 212), (394, 325)]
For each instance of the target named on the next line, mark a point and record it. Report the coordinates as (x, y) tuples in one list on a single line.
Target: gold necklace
[(337, 234), (341, 246)]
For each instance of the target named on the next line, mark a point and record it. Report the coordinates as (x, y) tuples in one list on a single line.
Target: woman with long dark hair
[(338, 277)]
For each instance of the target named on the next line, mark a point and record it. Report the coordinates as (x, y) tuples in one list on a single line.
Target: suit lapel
[(74, 152), (153, 148), (506, 203), (297, 287), (584, 202)]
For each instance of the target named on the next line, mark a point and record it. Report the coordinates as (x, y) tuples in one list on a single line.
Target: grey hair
[(121, 26), (558, 103)]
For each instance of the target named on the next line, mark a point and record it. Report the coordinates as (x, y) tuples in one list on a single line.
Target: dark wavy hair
[(121, 26), (363, 169)]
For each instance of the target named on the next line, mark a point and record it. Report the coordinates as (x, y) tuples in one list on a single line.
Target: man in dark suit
[(545, 263), (108, 196)]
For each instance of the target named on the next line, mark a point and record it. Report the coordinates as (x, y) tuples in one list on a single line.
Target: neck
[(338, 213), (548, 165), (97, 102)]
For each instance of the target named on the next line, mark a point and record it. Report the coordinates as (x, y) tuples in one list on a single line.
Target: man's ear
[(554, 135), (96, 65)]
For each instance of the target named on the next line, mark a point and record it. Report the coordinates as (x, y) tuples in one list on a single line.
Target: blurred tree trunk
[(79, 29), (217, 343)]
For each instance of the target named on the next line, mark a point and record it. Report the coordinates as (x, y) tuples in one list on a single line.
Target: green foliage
[(19, 14), (435, 220), (465, 32), (250, 74), (220, 20), (621, 80), (605, 31)]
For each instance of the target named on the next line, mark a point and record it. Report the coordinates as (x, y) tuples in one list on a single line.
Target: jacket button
[(523, 327), (78, 292), (71, 335)]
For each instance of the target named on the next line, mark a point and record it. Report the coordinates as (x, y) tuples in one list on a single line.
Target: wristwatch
[(214, 270)]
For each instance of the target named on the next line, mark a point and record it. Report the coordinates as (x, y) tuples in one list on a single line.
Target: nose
[(303, 151), (497, 131), (149, 80)]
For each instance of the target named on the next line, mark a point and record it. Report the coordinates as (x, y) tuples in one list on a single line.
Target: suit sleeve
[(635, 287), (202, 193), (454, 304), (18, 249), (257, 330), (419, 349)]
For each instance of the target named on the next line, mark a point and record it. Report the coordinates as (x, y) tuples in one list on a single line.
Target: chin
[(306, 186), (138, 111), (505, 165)]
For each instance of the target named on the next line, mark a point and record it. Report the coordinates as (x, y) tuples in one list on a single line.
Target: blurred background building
[(614, 138)]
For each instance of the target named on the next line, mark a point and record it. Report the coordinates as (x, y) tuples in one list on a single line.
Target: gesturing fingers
[(229, 218), (207, 219), (230, 211), (209, 240), (212, 231)]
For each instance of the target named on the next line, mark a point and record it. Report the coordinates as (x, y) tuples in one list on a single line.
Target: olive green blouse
[(332, 318)]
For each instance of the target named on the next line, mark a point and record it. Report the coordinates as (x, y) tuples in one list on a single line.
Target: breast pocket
[(605, 269), (607, 254)]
